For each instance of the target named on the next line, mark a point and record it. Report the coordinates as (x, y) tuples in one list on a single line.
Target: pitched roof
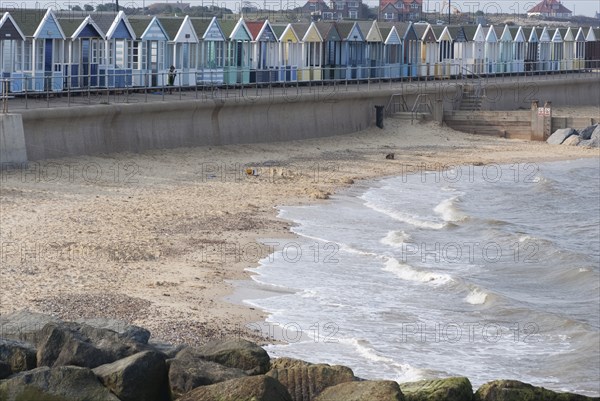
[(171, 25), (139, 24), (254, 27), (200, 25), (27, 20), (550, 7)]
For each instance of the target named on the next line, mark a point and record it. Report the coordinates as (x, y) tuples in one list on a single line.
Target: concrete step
[(407, 115)]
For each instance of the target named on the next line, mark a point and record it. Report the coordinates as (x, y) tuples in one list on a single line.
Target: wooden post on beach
[(541, 121), (536, 134), (438, 111), (547, 120)]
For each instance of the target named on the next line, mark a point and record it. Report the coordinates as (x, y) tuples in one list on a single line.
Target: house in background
[(317, 9), (400, 10), (550, 8), (346, 9)]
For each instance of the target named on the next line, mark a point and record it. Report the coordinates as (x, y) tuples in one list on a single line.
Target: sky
[(579, 7)]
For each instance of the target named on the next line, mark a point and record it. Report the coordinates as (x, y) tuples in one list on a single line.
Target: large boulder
[(63, 383), (450, 389), (188, 371), (573, 140), (24, 325), (513, 390), (240, 354), (83, 345), (305, 382), (252, 388), (28, 326), (5, 370), (586, 133), (384, 390), (560, 135), (285, 363), (18, 355), (142, 376), (594, 140)]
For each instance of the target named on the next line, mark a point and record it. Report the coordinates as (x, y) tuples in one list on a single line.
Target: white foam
[(476, 297), (405, 272), (405, 372), (449, 212), (395, 238), (405, 218)]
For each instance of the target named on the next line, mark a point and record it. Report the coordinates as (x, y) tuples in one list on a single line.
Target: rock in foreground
[(188, 371), (142, 376), (240, 354), (384, 390), (253, 388), (63, 383), (305, 382), (513, 390), (559, 136), (451, 389)]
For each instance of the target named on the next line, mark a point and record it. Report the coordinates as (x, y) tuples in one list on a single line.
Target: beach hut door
[(153, 57), (85, 61)]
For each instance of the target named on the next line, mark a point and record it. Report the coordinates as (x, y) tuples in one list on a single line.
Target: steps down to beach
[(470, 103), (508, 124), (470, 100)]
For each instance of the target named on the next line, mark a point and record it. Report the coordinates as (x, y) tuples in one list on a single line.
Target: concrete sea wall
[(70, 131)]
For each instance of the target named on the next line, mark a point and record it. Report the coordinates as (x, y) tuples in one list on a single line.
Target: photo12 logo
[(71, 172), (469, 252), (293, 332), (251, 252), (454, 173), (468, 332)]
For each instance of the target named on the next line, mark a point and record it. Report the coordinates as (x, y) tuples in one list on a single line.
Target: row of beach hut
[(46, 50)]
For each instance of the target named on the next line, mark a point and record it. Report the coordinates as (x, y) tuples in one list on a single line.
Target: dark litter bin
[(379, 116)]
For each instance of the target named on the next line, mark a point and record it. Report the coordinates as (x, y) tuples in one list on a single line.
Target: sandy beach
[(155, 239)]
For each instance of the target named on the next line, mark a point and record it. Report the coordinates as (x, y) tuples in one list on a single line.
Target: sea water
[(489, 272)]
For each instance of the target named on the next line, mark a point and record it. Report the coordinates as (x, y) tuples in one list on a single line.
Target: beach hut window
[(19, 56), (39, 55), (135, 48), (111, 52), (119, 53), (27, 56), (580, 50), (193, 61), (94, 52)]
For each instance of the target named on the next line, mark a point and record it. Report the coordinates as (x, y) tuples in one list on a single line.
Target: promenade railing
[(244, 83)]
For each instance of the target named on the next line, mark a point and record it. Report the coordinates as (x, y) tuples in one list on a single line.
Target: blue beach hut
[(149, 52), (353, 50), (212, 51), (392, 52), (373, 49), (411, 49), (11, 52), (43, 53), (265, 52), (118, 64), (83, 48)]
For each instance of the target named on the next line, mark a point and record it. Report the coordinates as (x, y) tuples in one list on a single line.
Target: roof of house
[(550, 7)]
